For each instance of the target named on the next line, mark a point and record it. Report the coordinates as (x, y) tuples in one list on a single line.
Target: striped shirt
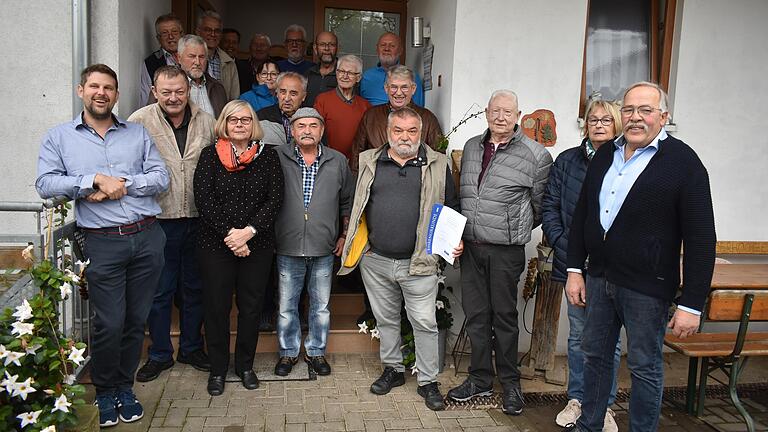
[(308, 173)]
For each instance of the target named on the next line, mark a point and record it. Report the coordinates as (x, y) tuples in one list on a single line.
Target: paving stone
[(225, 421), (295, 427), (402, 424), (374, 426), (452, 414), (255, 418), (304, 417), (353, 421), (208, 412), (157, 421), (380, 415), (166, 429), (328, 427), (334, 412), (476, 422), (193, 424), (406, 410), (365, 406), (191, 403), (175, 417)]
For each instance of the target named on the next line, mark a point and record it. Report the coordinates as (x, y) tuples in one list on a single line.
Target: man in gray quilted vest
[(503, 176)]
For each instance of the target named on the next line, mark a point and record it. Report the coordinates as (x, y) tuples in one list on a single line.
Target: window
[(626, 41)]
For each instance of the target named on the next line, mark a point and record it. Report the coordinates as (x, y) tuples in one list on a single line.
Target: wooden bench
[(727, 352)]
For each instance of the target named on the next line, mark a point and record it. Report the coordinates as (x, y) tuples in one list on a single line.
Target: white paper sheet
[(446, 227)]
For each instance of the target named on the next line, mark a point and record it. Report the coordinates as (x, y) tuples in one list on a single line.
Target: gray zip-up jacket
[(506, 206), (313, 231)]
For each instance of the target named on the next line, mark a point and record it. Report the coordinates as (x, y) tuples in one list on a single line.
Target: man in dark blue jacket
[(644, 196)]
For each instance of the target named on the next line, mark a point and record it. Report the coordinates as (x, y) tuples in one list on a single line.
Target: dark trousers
[(489, 277), (180, 273), (610, 306), (122, 278), (222, 273)]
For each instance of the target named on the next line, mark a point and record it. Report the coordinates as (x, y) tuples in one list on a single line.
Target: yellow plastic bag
[(358, 244)]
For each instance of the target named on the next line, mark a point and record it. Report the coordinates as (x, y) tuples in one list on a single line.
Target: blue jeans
[(608, 308), (180, 272), (294, 273), (576, 318)]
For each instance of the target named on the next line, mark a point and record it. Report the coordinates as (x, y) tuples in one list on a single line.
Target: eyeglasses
[(209, 30), (496, 113), (605, 121), (269, 74), (167, 34), (342, 72), (643, 110), (403, 88), (326, 44), (244, 120), (294, 41)]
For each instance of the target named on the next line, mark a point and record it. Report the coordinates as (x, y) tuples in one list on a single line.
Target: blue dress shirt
[(71, 155), (372, 87)]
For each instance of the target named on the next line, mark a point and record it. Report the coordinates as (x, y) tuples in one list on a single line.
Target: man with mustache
[(114, 173), (295, 46), (388, 49), (397, 186), (168, 30), (290, 90), (645, 195), (322, 76), (400, 86), (204, 91), (180, 131), (309, 232)]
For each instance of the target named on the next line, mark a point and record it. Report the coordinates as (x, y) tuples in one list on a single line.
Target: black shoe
[(468, 390), (284, 366), (250, 380), (571, 427), (367, 315), (197, 359), (151, 370), (432, 397), (216, 385), (512, 401), (388, 379), (319, 364)]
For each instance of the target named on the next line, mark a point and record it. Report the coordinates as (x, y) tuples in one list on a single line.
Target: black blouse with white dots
[(226, 200)]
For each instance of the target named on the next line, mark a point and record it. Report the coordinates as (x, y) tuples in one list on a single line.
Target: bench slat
[(718, 344), (727, 305)]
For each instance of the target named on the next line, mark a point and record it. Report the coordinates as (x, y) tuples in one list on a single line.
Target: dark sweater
[(669, 204)]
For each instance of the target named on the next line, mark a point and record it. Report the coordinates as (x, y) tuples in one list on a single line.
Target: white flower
[(32, 350), (76, 356), (29, 418), (439, 305), (21, 329), (363, 328), (83, 265), (72, 276), (13, 357), (27, 253), (414, 371), (9, 383), (61, 404), (3, 351), (23, 312), (49, 429), (48, 391), (22, 389), (66, 290), (69, 379), (375, 334)]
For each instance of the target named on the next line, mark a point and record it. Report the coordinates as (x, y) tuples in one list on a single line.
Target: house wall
[(250, 17)]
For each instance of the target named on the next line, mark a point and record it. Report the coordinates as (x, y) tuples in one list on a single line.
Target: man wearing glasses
[(645, 195), (220, 65), (295, 46), (168, 30), (322, 76), (388, 50), (503, 175)]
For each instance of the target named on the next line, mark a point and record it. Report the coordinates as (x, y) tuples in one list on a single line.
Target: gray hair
[(261, 36), (294, 75), (400, 71), (162, 19), (506, 93), (295, 28), (352, 59), (210, 14), (190, 39), (404, 113), (663, 98)]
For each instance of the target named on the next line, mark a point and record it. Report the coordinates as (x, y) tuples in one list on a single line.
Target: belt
[(128, 229)]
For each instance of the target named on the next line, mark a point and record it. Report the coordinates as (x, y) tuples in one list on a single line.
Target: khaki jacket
[(229, 77), (179, 200), (432, 192)]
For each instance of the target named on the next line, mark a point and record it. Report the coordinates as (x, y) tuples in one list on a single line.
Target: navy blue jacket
[(560, 198)]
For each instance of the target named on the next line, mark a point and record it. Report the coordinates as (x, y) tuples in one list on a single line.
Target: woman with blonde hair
[(238, 186), (602, 123)]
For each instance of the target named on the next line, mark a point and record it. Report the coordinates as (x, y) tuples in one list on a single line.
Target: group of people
[(181, 204)]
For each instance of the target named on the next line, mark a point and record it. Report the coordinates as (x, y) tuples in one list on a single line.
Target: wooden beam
[(742, 248)]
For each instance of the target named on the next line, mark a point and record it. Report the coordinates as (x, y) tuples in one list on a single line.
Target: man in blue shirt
[(388, 48), (113, 171)]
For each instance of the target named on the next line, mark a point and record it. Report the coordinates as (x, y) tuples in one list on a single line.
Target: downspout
[(80, 47)]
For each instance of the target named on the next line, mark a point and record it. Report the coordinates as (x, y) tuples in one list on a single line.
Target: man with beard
[(400, 86), (309, 233), (168, 30), (388, 49), (204, 91), (220, 65), (290, 90), (397, 186), (322, 76), (180, 131), (113, 171), (295, 46)]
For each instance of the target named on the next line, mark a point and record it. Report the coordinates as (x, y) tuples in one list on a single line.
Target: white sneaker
[(569, 414), (609, 425)]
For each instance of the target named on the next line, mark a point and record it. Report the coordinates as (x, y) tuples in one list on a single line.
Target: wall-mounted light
[(419, 32)]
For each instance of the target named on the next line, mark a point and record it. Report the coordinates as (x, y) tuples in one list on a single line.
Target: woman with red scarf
[(238, 187)]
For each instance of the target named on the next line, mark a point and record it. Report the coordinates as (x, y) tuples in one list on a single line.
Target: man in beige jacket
[(180, 131), (220, 65)]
